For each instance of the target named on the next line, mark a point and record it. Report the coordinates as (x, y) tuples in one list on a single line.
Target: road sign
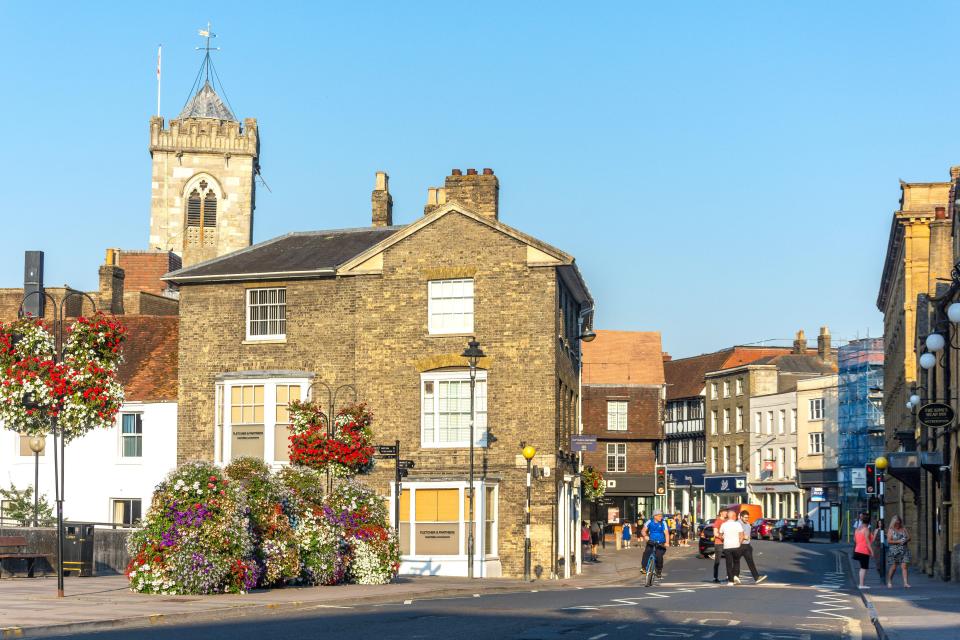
[(387, 449), (858, 478), (583, 442), (935, 414), (406, 464)]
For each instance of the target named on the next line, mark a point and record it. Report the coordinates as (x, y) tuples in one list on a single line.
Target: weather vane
[(207, 33)]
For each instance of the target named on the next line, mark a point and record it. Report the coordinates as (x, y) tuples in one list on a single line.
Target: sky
[(724, 173)]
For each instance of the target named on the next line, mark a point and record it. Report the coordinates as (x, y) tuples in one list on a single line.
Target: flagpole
[(159, 53)]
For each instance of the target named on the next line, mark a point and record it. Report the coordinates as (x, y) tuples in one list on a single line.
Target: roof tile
[(148, 372)]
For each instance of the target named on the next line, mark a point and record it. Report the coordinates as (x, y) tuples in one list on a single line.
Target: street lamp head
[(37, 444), (915, 400), (881, 463), (928, 361), (953, 312), (473, 353), (909, 406), (588, 335), (935, 343), (529, 451)]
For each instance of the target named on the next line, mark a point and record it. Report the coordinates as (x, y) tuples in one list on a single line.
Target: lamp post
[(472, 353), (528, 453), (30, 402), (331, 413), (36, 445), (881, 464)]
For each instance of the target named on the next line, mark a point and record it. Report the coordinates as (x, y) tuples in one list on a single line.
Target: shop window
[(437, 526)]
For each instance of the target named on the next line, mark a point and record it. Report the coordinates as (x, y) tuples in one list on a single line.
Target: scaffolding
[(859, 412)]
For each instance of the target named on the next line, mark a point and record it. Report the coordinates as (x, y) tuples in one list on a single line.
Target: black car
[(705, 541), (793, 530)]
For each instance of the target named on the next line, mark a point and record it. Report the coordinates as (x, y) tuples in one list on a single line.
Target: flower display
[(82, 391), (349, 450), (593, 484)]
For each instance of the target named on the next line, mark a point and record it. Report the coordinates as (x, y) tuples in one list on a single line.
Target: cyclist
[(658, 537)]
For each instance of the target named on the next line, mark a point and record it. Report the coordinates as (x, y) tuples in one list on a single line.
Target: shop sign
[(935, 414), (817, 494), (613, 515), (858, 478), (725, 484), (438, 539), (685, 477)]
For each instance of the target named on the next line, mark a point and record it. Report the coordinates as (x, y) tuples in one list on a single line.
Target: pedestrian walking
[(899, 553), (684, 532), (731, 536), (585, 539), (863, 547), (746, 549), (717, 546), (594, 540), (626, 535)]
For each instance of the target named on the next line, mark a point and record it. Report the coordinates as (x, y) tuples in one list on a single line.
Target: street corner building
[(388, 309), (623, 393)]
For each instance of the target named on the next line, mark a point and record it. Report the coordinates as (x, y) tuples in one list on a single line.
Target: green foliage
[(19, 506)]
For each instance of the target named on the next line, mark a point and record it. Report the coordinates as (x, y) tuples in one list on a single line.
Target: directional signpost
[(386, 452)]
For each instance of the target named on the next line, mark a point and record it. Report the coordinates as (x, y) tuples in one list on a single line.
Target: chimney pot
[(940, 213), (488, 172), (456, 172), (471, 172)]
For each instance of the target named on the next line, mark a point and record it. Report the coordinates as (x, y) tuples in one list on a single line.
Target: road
[(807, 597)]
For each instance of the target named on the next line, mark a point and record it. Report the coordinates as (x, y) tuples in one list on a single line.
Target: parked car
[(793, 530), (705, 541), (762, 528)]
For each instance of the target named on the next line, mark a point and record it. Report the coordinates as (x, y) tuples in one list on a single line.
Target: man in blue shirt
[(658, 537)]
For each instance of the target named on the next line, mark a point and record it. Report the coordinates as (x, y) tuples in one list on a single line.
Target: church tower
[(204, 165)]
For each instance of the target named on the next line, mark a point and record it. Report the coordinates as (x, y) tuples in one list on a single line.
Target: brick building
[(623, 391), (389, 309)]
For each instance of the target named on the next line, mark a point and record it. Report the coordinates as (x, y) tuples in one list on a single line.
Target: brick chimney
[(823, 345), (110, 293), (800, 343), (382, 201), (479, 192)]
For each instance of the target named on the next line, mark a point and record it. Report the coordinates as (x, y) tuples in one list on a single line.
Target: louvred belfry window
[(202, 215)]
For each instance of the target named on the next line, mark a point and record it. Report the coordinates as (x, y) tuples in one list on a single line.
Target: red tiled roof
[(685, 375), (149, 368), (623, 357)]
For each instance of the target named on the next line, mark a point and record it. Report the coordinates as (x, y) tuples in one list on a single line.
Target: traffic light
[(871, 473), (661, 481)]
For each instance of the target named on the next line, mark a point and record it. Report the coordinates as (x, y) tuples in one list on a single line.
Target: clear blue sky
[(723, 172)]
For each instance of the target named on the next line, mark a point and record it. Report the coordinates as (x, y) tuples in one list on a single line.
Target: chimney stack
[(824, 349), (111, 285), (800, 343), (478, 192), (382, 201)]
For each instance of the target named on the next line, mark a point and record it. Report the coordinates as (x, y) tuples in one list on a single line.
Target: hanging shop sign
[(725, 484), (935, 414), (581, 442)]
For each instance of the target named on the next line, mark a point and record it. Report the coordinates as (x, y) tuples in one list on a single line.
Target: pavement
[(929, 609), (29, 606)]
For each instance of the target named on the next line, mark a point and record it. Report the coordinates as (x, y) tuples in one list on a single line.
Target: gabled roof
[(299, 254), (148, 372), (207, 104), (685, 376), (623, 357), (799, 363)]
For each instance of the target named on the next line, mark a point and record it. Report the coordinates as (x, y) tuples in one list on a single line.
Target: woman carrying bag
[(899, 554)]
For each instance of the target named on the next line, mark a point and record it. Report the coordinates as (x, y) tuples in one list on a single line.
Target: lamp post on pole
[(528, 453), (881, 464), (36, 445), (331, 413), (472, 353), (30, 402)]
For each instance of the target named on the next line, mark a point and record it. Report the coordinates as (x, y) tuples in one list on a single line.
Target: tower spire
[(203, 100), (208, 34)]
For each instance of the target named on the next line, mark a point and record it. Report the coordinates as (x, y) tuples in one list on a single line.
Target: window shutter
[(193, 209)]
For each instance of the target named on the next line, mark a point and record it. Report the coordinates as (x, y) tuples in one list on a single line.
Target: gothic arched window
[(201, 215)]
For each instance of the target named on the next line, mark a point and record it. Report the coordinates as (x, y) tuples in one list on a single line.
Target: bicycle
[(651, 567)]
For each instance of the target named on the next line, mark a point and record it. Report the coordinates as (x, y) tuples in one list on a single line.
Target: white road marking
[(408, 602), (598, 636), (476, 595)]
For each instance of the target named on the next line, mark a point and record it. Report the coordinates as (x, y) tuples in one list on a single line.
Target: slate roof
[(298, 253), (623, 357), (148, 372), (207, 104)]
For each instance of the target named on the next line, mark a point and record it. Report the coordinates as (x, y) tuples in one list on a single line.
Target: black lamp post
[(30, 402), (472, 353), (331, 412)]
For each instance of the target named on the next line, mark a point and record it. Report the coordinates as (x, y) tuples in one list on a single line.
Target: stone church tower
[(203, 193)]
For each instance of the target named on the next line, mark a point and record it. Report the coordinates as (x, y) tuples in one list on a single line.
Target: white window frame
[(793, 420), (282, 321), (713, 390), (758, 422), (618, 415), (713, 422), (738, 462), (726, 458), (793, 462), (816, 409), (739, 425), (713, 459), (224, 441), (815, 443), (121, 437), (781, 420), (739, 386), (113, 507), (480, 408), (769, 423), (782, 462), (618, 451), (726, 420), (465, 328), (726, 388)]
